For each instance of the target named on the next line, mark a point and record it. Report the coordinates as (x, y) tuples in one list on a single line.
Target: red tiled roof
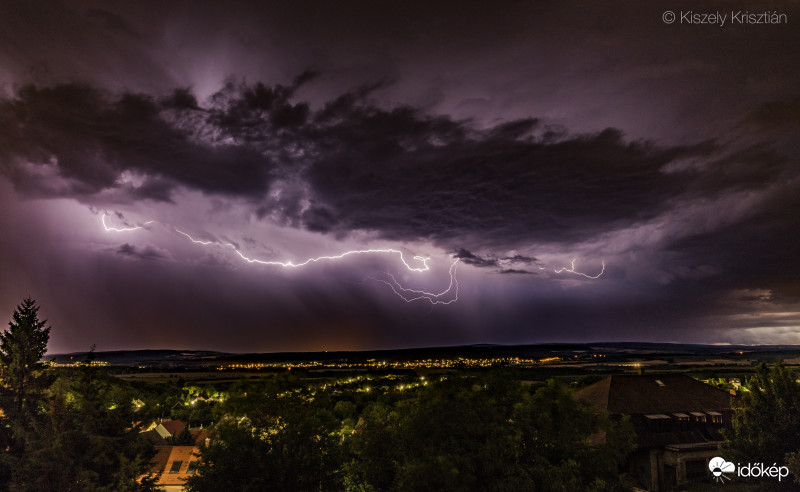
[(174, 427), (159, 462), (166, 456)]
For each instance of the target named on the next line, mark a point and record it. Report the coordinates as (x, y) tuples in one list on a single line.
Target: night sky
[(148, 150)]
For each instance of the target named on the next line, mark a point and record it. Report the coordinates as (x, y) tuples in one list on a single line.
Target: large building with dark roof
[(677, 419)]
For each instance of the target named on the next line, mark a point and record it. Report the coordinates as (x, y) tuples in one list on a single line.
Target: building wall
[(660, 470)]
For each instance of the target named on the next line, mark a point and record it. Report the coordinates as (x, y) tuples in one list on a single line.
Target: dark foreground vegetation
[(79, 429)]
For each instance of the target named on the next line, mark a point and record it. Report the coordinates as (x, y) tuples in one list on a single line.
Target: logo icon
[(719, 467)]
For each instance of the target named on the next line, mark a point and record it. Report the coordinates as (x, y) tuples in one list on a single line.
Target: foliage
[(183, 438), (766, 422), (394, 432), (85, 440), (557, 432), (21, 348), (272, 443), (22, 382), (73, 433), (466, 434), (461, 433)]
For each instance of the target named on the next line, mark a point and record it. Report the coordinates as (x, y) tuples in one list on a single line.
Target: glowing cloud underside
[(447, 296)]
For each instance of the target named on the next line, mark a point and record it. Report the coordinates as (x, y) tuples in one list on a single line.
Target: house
[(677, 420), (166, 427), (174, 464)]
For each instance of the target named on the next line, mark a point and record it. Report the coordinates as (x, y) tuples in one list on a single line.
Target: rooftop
[(654, 394)]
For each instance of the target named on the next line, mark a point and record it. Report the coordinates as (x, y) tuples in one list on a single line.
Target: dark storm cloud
[(257, 112), (751, 167), (90, 138), (398, 171), (777, 113), (471, 258), (571, 128), (147, 252), (119, 216), (111, 21), (521, 259), (412, 177), (756, 252)]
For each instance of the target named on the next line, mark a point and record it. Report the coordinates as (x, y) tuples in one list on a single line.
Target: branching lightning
[(410, 295), (121, 229), (447, 296), (290, 264), (571, 269), (197, 241), (407, 295)]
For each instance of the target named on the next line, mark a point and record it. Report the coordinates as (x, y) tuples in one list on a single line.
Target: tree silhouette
[(85, 439), (21, 347)]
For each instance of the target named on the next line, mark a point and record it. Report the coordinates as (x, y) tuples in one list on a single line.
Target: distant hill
[(130, 357), (134, 356)]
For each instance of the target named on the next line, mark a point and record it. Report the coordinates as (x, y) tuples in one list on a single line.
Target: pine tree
[(21, 348)]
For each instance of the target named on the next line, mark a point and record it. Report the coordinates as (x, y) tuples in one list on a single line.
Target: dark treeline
[(459, 433), (79, 429), (68, 432)]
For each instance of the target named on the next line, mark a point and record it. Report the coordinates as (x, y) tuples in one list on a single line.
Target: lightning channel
[(121, 229), (410, 295), (407, 294), (571, 269), (290, 264)]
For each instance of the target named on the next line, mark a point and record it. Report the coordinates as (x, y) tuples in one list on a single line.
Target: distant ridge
[(130, 356), (466, 351)]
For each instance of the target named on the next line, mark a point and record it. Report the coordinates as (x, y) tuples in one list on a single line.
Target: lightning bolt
[(290, 264), (121, 229), (571, 269), (408, 295)]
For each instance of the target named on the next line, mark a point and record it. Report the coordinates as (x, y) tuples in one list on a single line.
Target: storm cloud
[(399, 172), (161, 164)]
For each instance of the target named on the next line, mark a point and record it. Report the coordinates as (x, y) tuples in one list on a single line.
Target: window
[(192, 467), (176, 466), (698, 416), (658, 422), (683, 420)]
